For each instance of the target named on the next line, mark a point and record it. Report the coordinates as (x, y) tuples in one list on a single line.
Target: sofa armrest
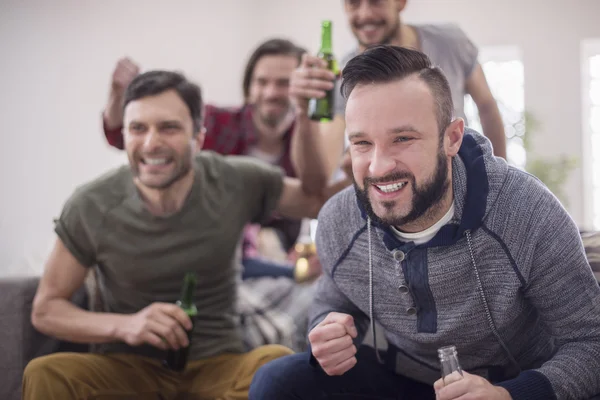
[(21, 341), (591, 243)]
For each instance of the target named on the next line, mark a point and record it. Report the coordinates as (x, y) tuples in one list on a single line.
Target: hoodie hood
[(477, 176)]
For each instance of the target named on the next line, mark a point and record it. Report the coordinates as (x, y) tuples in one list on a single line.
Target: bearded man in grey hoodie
[(440, 243)]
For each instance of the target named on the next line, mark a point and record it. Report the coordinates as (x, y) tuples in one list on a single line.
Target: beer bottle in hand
[(451, 370), (322, 109), (176, 360)]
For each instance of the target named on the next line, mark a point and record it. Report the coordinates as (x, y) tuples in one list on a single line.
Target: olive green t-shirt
[(142, 258)]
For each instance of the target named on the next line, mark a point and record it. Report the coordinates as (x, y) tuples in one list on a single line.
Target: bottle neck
[(187, 293), (326, 39)]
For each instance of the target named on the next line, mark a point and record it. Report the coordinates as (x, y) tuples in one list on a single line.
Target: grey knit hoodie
[(506, 281)]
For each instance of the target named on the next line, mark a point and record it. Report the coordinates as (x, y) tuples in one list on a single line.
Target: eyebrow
[(163, 122), (393, 131)]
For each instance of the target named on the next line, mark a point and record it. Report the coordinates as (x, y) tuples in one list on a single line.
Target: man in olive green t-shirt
[(143, 226)]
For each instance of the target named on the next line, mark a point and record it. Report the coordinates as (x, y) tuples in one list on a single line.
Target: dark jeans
[(257, 268), (292, 377)]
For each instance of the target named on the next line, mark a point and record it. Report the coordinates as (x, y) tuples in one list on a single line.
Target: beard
[(182, 166), (424, 199), (272, 120), (387, 38)]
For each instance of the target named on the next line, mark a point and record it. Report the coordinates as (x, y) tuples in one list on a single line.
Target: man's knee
[(282, 378), (264, 354), (41, 367)]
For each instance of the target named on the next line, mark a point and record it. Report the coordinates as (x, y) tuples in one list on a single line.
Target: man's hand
[(310, 80), (125, 71), (470, 386), (161, 325), (331, 343)]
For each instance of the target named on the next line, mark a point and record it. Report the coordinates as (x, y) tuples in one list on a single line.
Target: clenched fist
[(332, 345), (125, 71)]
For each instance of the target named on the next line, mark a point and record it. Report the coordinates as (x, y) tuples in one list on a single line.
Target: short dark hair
[(156, 82), (271, 47), (387, 63)]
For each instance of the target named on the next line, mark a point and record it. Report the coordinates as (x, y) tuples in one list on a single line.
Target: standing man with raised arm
[(379, 22)]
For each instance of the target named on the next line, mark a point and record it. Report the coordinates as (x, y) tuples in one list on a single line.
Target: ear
[(400, 4), (453, 136), (199, 139)]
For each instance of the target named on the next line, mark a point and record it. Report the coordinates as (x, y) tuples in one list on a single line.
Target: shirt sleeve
[(465, 50), (561, 286), (113, 136), (262, 186), (73, 227)]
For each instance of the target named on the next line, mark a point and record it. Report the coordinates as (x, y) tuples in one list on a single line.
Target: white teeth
[(155, 161), (391, 188), (369, 27)]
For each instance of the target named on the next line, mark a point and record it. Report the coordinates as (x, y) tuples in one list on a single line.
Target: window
[(591, 131), (503, 68)]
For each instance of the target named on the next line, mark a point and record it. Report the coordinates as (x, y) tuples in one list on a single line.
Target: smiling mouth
[(369, 27), (155, 161), (391, 187)]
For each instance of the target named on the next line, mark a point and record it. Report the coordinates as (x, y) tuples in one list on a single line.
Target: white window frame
[(501, 54), (591, 210)]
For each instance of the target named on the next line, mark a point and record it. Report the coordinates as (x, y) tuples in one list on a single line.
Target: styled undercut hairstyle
[(386, 63), (152, 83)]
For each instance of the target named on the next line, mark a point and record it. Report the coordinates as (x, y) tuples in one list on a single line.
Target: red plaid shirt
[(229, 131)]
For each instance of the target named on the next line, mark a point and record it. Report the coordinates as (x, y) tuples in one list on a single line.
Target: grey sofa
[(21, 342)]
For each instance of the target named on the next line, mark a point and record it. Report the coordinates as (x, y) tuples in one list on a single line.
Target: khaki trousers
[(77, 376)]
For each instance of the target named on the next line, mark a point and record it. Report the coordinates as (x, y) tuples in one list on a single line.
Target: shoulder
[(211, 110), (233, 167), (524, 202), (450, 34), (106, 190), (340, 223), (348, 56), (85, 209)]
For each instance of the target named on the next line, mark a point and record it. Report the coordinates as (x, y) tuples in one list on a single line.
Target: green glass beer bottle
[(322, 109), (176, 360)]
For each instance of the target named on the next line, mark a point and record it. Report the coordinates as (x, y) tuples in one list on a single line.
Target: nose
[(381, 163), (273, 91), (151, 140), (364, 11)]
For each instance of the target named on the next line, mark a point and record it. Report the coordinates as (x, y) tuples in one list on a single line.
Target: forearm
[(113, 112), (493, 128), (62, 319), (308, 155), (336, 187)]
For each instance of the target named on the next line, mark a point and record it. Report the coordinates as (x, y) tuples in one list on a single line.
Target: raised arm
[(316, 146), (112, 116), (489, 114), (296, 203)]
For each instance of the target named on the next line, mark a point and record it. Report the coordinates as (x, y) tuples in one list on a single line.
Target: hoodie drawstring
[(371, 292), (490, 320), (488, 313)]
